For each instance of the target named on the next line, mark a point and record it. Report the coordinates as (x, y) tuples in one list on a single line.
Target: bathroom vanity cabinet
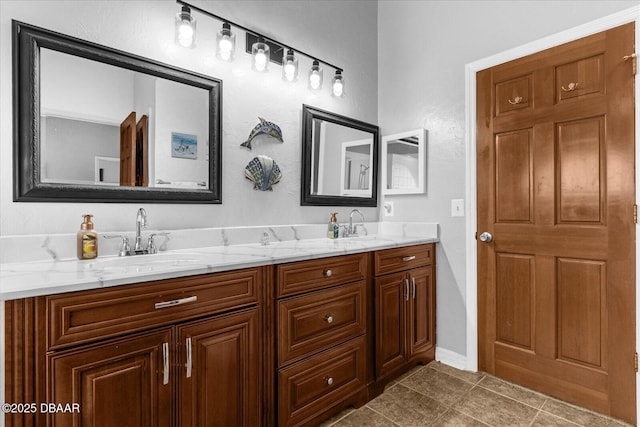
[(404, 308), (322, 337), (289, 344)]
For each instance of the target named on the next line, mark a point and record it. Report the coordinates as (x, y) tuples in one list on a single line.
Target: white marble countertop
[(45, 277)]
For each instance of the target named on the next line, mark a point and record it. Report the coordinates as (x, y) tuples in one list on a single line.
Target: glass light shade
[(185, 28), (290, 67), (226, 41), (315, 76), (261, 55), (338, 84)]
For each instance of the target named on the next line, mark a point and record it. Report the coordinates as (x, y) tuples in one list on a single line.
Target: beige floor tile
[(578, 415), (331, 421), (544, 419), (406, 407), (494, 409), (365, 417), (453, 418), (472, 377), (437, 385), (513, 391)]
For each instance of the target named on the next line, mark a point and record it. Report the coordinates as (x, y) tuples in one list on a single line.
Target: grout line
[(383, 416)]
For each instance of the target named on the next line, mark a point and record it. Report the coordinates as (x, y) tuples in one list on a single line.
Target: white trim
[(603, 24), (450, 358)]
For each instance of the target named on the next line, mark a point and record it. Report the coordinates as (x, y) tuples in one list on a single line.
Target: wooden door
[(556, 286), (119, 383), (128, 150), (142, 152), (421, 314), (390, 314), (222, 386)]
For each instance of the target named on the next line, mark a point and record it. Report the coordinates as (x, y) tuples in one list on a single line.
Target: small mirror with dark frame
[(95, 124), (339, 160)]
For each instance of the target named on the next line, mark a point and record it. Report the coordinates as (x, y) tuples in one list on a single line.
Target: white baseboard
[(451, 358)]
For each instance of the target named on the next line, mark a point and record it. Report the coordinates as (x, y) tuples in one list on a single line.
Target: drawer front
[(304, 276), (319, 320), (310, 387), (400, 259), (85, 316)]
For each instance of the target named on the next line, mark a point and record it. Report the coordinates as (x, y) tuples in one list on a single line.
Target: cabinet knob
[(329, 381), (329, 319), (328, 273)]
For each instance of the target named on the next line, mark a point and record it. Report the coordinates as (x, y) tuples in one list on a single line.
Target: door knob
[(486, 237)]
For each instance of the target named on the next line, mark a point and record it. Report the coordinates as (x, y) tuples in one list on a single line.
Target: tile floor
[(438, 395)]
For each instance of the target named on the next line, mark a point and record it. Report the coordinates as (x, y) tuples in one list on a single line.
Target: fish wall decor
[(263, 128), (264, 172)]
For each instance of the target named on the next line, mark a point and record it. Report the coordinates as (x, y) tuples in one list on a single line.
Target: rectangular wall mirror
[(94, 124), (403, 162), (339, 160)]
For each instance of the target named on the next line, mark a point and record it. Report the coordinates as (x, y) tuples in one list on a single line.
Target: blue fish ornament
[(263, 128)]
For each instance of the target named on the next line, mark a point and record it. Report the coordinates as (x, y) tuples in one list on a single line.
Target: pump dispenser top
[(333, 229)]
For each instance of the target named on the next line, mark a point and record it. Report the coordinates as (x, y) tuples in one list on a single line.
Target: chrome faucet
[(139, 248), (141, 221), (353, 229)]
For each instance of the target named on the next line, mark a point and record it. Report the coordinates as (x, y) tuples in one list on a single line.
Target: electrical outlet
[(457, 207), (388, 208)]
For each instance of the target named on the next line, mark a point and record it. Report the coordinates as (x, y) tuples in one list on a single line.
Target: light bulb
[(185, 34), (338, 88), (226, 42), (185, 28), (314, 80), (290, 67), (315, 76), (260, 60), (290, 71)]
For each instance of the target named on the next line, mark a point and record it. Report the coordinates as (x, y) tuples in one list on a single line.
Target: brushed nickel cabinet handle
[(413, 287), (165, 363), (189, 357), (175, 302), (409, 258), (406, 288)]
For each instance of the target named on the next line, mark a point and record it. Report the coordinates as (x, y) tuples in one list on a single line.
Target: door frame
[(620, 18)]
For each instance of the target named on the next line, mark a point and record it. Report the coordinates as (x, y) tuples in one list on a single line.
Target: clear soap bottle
[(87, 239)]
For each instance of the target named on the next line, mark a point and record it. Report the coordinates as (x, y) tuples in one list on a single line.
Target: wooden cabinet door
[(421, 314), (390, 302), (219, 374), (121, 383)]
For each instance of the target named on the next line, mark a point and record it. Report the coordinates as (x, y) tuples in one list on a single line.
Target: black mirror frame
[(306, 198), (26, 43)]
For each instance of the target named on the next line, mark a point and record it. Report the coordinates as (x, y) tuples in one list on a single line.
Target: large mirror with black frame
[(94, 124), (339, 160)]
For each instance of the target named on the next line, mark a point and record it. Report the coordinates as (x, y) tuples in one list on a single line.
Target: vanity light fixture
[(226, 42), (290, 67), (261, 53), (337, 88), (315, 76), (263, 49), (185, 28)]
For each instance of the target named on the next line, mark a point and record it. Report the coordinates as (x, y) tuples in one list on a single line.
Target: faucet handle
[(125, 249), (151, 244)]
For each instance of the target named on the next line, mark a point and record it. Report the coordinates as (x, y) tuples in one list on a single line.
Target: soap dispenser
[(87, 239), (333, 228)]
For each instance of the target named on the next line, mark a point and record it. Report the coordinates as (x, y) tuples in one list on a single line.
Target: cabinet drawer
[(400, 259), (303, 276), (311, 386), (318, 320), (85, 316)]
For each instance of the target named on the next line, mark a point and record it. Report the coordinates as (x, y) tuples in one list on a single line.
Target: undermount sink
[(169, 259)]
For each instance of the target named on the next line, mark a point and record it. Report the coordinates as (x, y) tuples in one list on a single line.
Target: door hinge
[(635, 361), (635, 214), (634, 62)]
